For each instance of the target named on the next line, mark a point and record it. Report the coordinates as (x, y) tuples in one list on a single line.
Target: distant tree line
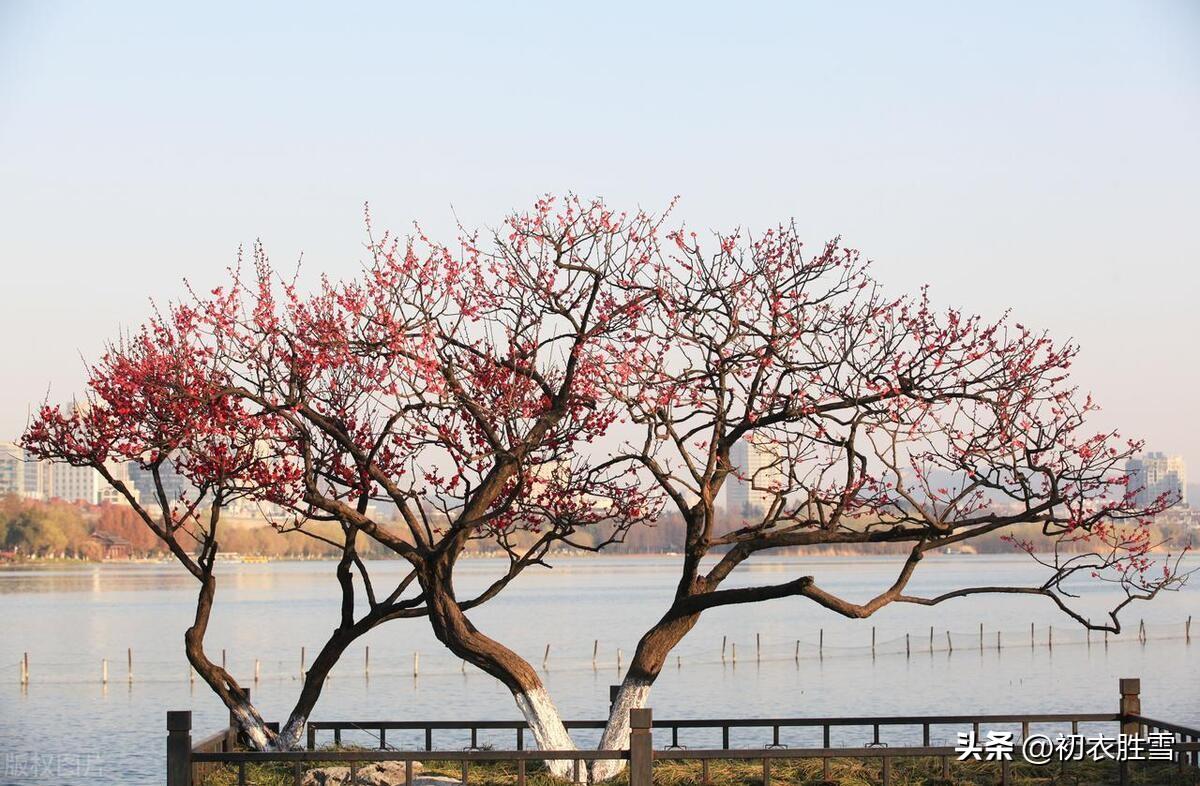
[(56, 529), (63, 530)]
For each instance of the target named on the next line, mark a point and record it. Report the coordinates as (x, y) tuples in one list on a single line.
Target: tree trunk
[(454, 630), (291, 732), (647, 664), (232, 694)]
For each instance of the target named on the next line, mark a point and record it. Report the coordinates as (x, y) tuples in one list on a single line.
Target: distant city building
[(174, 485), (759, 465), (108, 494), (74, 484), (1156, 474), (26, 476), (254, 509), (20, 473)]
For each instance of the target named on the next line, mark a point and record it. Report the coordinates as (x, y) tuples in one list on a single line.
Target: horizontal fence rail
[(188, 763), (926, 722), (1187, 740)]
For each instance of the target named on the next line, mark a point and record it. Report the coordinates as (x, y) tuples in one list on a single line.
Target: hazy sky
[(1038, 156)]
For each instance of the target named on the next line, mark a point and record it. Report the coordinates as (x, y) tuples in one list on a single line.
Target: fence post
[(1131, 704), (641, 747), (179, 748)]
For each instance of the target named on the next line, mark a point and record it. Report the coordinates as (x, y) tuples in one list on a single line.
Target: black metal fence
[(187, 764)]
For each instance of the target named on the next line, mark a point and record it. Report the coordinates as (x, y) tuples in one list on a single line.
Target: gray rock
[(383, 773)]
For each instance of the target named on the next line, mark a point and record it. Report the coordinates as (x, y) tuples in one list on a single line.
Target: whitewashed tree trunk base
[(548, 730), (254, 729), (632, 695), (289, 735)]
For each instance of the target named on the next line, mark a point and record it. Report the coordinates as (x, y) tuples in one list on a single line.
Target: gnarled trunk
[(647, 664), (314, 680), (234, 697), (462, 638)]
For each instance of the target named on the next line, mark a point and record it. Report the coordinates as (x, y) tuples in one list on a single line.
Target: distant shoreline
[(256, 560)]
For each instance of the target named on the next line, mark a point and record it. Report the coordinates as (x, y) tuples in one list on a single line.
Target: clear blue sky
[(1042, 156)]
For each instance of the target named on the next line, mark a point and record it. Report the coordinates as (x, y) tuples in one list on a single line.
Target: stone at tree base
[(384, 773)]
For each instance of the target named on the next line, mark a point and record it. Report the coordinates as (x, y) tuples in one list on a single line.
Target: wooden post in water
[(872, 641), (1142, 631), (723, 640), (129, 657), (949, 643), (416, 663), (758, 647), (620, 656), (1187, 630), (797, 650), (301, 663), (907, 647), (997, 641), (222, 657), (679, 661), (981, 638), (104, 671), (1050, 637), (367, 661), (733, 652), (25, 669), (821, 646), (595, 651), (546, 658), (930, 639), (256, 670), (1031, 635)]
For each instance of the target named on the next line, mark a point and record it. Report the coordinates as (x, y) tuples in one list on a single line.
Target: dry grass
[(801, 772)]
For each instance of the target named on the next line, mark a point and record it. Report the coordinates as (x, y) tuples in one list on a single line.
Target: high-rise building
[(74, 484), (23, 474), (760, 468), (20, 473), (1156, 474), (174, 485), (120, 472)]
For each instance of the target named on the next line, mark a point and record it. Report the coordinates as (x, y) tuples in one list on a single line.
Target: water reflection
[(70, 618)]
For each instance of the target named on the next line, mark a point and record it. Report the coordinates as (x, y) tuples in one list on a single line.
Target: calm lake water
[(69, 619)]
